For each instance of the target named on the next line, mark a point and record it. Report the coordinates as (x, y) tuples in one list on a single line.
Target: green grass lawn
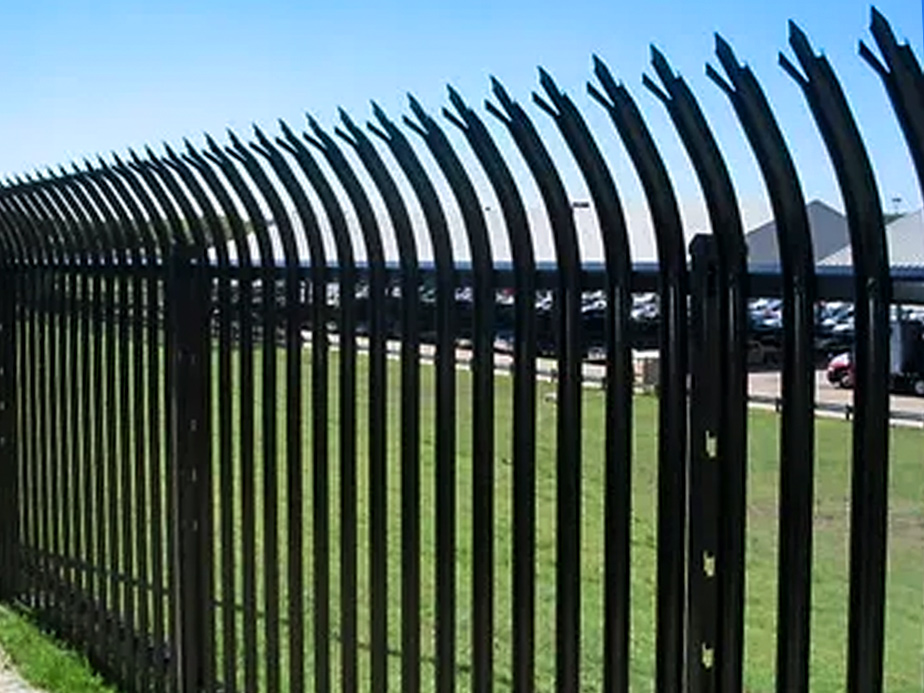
[(42, 661), (905, 608)]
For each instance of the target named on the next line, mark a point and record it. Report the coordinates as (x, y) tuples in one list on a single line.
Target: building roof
[(829, 235), (904, 240)]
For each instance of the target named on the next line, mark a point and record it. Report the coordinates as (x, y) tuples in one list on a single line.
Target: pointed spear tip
[(877, 18), (545, 79), (660, 64), (724, 50), (454, 97), (377, 111)]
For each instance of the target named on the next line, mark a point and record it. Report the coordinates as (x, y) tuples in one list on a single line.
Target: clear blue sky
[(81, 78)]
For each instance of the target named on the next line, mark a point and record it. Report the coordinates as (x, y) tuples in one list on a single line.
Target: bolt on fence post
[(188, 351), (9, 492)]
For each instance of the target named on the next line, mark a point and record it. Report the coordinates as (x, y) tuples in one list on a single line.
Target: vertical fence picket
[(569, 377), (797, 268), (672, 378), (482, 396), (523, 597), (410, 438), (346, 323), (131, 217), (618, 380), (445, 363), (244, 315), (376, 421)]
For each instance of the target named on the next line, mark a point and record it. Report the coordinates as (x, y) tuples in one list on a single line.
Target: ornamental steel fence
[(214, 478)]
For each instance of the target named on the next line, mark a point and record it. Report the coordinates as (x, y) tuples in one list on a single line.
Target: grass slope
[(43, 661)]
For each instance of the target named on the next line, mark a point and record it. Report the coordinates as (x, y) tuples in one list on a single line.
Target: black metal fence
[(177, 504)]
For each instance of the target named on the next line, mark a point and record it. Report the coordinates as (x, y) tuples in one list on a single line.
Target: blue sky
[(81, 78)]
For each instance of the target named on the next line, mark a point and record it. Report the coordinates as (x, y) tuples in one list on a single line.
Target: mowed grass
[(43, 661), (905, 606)]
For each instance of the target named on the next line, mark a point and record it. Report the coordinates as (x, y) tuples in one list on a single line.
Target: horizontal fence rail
[(234, 457)]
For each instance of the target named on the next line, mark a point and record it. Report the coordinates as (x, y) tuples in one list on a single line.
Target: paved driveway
[(767, 385)]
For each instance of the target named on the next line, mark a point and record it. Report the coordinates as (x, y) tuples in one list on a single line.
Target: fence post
[(9, 493), (704, 466), (188, 350)]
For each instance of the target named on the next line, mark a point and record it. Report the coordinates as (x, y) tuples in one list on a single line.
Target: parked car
[(906, 372), (840, 370)]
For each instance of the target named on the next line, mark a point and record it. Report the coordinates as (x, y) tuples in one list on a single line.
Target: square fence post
[(704, 469), (9, 491), (190, 441)]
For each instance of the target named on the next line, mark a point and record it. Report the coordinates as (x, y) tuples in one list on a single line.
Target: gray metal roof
[(905, 241), (829, 235)]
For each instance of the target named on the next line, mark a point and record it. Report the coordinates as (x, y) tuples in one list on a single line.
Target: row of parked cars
[(834, 330), (906, 359)]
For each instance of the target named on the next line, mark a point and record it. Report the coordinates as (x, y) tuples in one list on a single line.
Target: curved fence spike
[(798, 377), (268, 307), (243, 314), (904, 83), (482, 333), (346, 321), (568, 453), (134, 500), (32, 237), (410, 411), (14, 250), (872, 288), (87, 203), (377, 436), (48, 224), (446, 330), (672, 428), (523, 597), (125, 251), (214, 232), (319, 409), (619, 377)]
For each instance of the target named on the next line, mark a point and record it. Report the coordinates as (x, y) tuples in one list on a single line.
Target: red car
[(840, 370)]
